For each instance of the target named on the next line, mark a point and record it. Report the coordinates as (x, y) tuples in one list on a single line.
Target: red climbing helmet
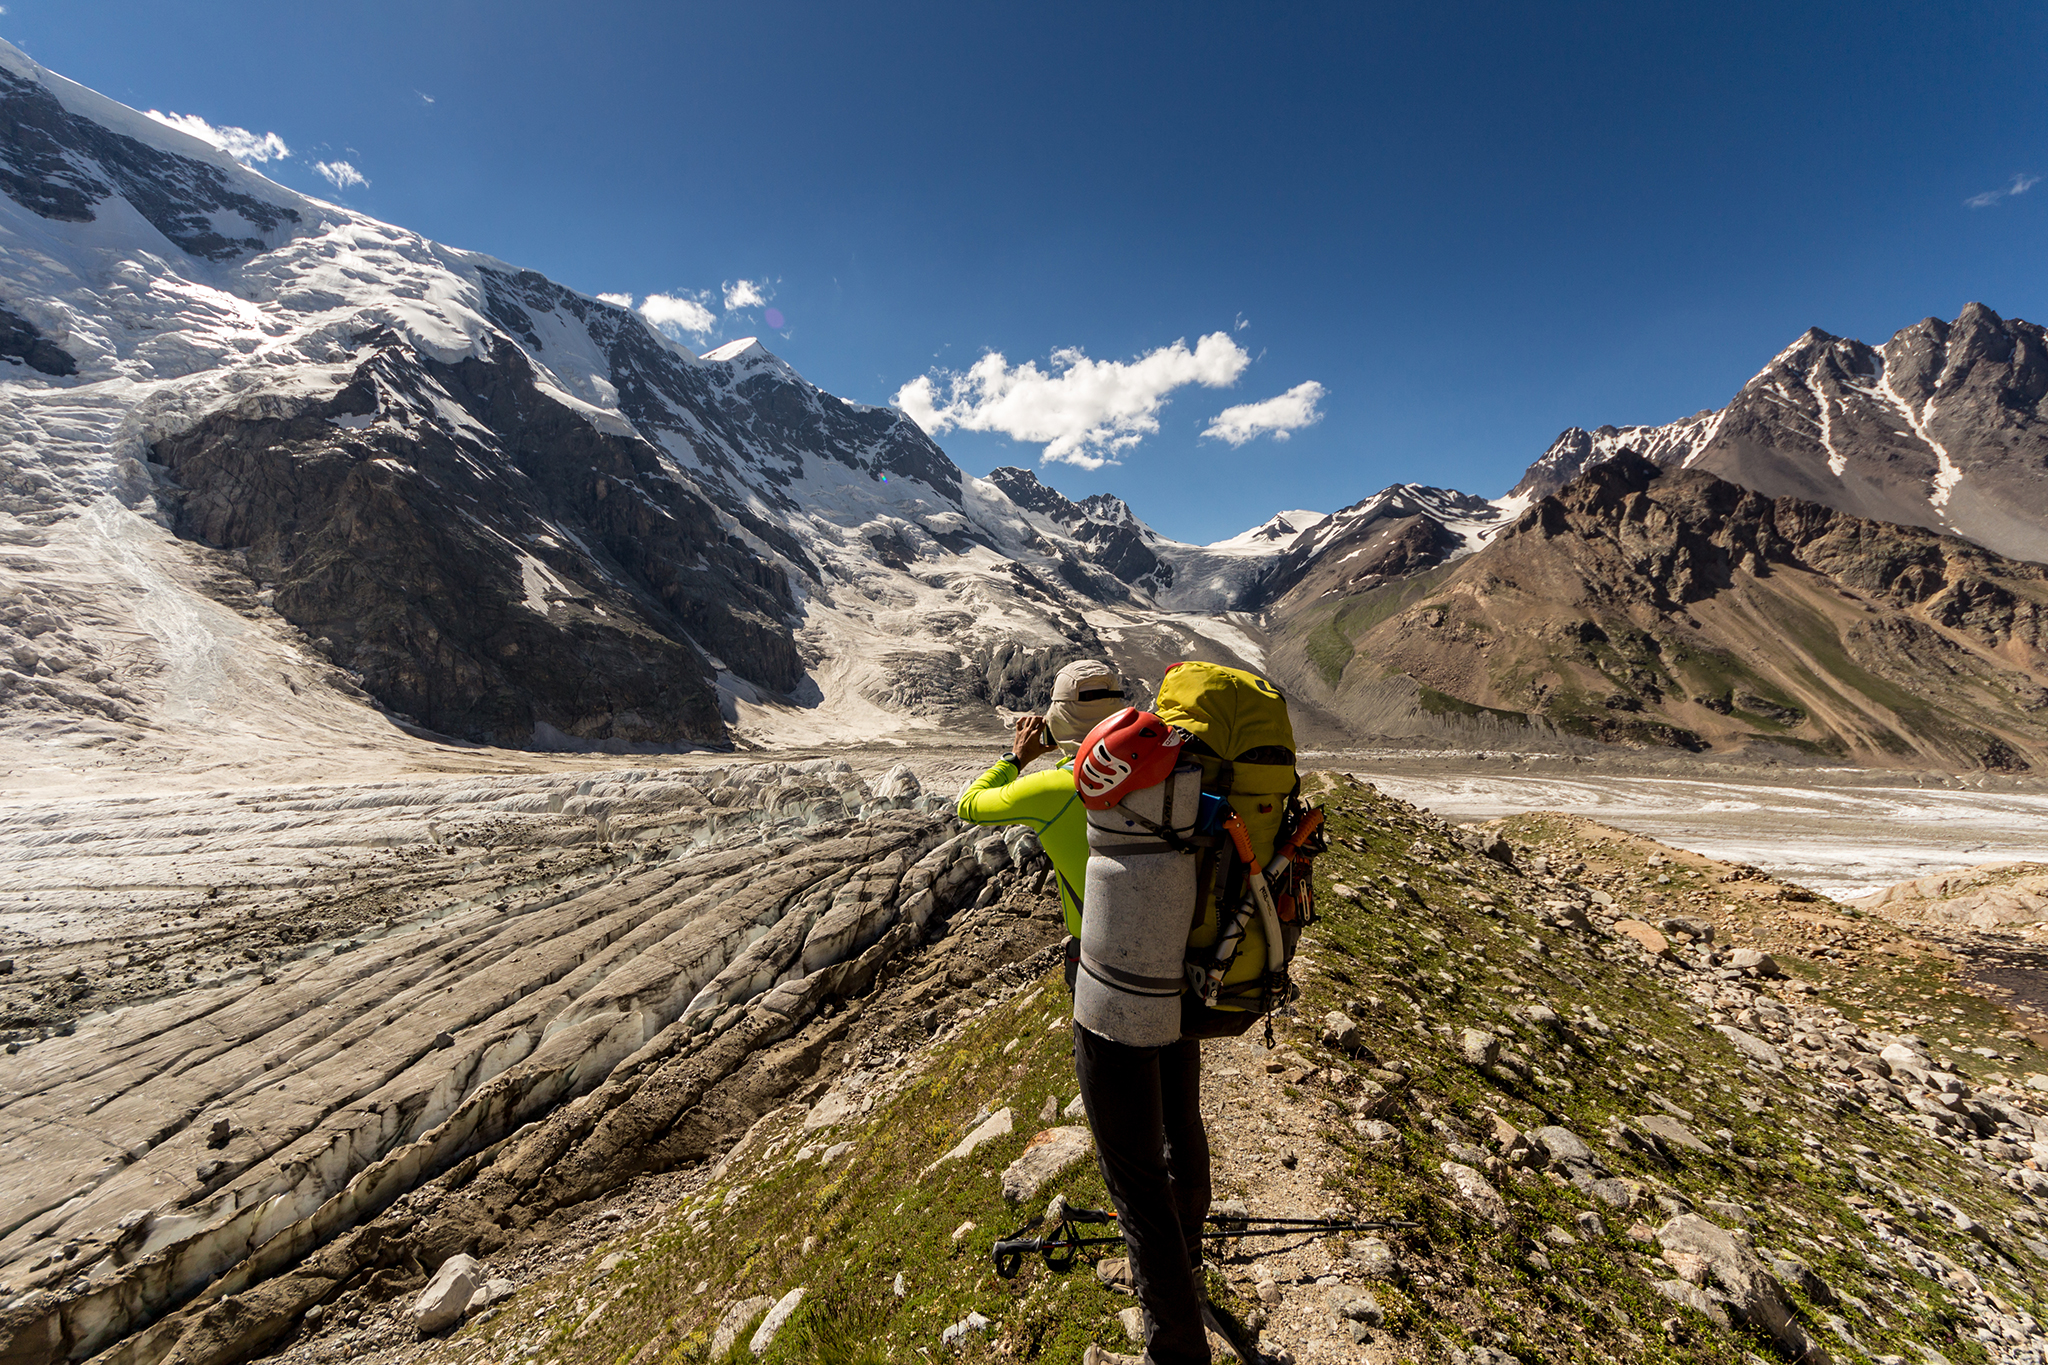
[(1128, 752)]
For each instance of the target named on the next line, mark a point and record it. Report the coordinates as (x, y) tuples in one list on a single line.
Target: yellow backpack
[(1239, 732)]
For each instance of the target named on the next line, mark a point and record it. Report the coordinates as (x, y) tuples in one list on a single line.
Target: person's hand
[(1028, 739)]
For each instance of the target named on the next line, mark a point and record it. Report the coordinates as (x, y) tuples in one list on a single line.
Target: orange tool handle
[(1240, 836), (1310, 823)]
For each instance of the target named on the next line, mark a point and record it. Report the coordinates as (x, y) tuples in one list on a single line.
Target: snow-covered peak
[(1276, 532), (1576, 450), (745, 348)]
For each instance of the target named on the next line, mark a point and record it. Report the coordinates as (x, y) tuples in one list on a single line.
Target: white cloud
[(239, 143), (1281, 415), (678, 315), (340, 174), (616, 300), (425, 98), (1084, 411), (2020, 185), (743, 294)]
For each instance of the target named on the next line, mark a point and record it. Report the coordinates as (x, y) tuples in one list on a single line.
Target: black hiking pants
[(1144, 1104)]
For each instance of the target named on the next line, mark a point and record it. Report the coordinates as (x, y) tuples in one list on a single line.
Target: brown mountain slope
[(1680, 609)]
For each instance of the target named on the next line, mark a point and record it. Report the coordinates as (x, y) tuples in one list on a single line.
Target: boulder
[(898, 784), (446, 1297), (1799, 1275), (1479, 1048), (1488, 844), (999, 1124), (1372, 1257), (1352, 1304), (1753, 1298), (1562, 1146), (1670, 1133), (1694, 1297), (1752, 1047), (490, 1292), (1899, 1054), (1044, 1157), (1476, 1194), (1339, 1031), (1700, 930), (1754, 960), (1651, 940), (764, 1335), (734, 1322)]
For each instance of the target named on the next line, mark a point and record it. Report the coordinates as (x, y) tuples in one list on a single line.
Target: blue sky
[(1466, 228)]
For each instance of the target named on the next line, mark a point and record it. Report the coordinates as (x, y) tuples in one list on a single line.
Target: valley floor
[(157, 915)]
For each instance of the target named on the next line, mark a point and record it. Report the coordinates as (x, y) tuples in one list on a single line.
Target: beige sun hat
[(1085, 693)]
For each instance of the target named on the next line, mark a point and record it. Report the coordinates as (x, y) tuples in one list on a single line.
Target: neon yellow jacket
[(1048, 803)]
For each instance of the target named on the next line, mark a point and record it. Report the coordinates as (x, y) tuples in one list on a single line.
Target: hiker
[(1083, 694), (1182, 807)]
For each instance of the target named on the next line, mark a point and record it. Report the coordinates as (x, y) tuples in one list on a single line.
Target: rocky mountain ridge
[(1681, 609), (280, 463), (496, 508), (1942, 427)]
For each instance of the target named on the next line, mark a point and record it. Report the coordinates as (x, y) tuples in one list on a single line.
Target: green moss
[(1442, 704), (1362, 611), (1329, 651)]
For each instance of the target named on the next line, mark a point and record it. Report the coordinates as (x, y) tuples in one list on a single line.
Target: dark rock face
[(1112, 534), (20, 341), (490, 579), (1943, 428), (758, 405), (48, 152)]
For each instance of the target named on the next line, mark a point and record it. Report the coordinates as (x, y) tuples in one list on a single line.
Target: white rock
[(1750, 959), (999, 1124), (490, 1292), (1044, 1157), (956, 1335), (447, 1295), (764, 1335), (736, 1318)]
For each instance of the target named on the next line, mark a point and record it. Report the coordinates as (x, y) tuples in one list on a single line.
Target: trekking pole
[(1059, 1250)]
